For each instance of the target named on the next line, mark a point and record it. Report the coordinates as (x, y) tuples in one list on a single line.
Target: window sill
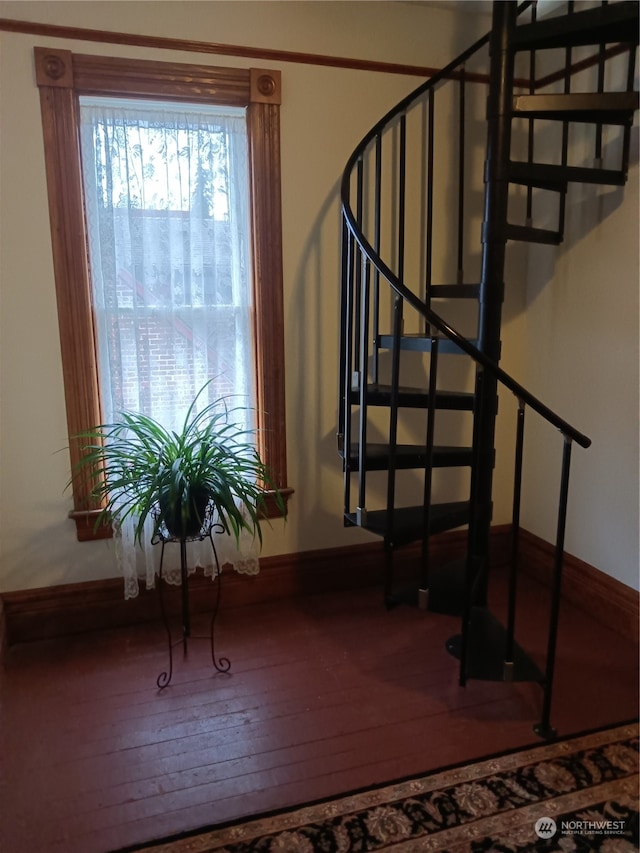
[(88, 531), (271, 508), (87, 528)]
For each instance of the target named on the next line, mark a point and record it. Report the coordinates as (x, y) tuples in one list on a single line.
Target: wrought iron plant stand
[(163, 537)]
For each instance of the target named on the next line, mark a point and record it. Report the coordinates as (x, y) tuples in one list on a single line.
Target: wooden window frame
[(62, 77)]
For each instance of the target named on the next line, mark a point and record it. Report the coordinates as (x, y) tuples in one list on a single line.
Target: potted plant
[(137, 467)]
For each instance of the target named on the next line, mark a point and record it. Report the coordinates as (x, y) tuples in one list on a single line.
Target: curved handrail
[(435, 320), (402, 105), (567, 429)]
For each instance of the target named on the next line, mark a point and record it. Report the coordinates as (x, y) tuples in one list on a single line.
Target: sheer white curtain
[(166, 193)]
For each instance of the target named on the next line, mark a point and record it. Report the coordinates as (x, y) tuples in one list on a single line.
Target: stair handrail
[(434, 319), (402, 105)]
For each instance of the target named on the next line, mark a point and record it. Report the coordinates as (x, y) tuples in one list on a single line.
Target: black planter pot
[(184, 517)]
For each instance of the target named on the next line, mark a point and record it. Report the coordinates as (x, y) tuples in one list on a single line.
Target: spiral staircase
[(425, 228)]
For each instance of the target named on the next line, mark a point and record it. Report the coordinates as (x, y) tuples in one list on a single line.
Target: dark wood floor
[(326, 694)]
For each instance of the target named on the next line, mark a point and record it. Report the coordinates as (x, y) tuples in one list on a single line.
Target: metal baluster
[(531, 136), (397, 334), (376, 274), (363, 346), (515, 528), (461, 110), (423, 591), (393, 437), (429, 223), (358, 266), (601, 67), (344, 268), (356, 370), (348, 367), (472, 568), (565, 127), (543, 728), (402, 194)]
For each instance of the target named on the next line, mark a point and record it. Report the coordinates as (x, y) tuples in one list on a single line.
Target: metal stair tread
[(539, 174), (408, 522), (419, 342), (602, 107), (379, 394), (617, 22), (533, 235), (454, 291), (410, 456), (525, 174)]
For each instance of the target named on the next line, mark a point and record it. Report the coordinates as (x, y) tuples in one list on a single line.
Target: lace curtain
[(166, 194)]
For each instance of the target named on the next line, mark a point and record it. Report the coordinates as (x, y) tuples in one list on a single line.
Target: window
[(211, 283), (166, 189)]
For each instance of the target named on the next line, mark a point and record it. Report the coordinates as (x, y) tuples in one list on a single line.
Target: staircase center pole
[(499, 106)]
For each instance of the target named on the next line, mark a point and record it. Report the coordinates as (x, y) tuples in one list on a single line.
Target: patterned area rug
[(576, 795)]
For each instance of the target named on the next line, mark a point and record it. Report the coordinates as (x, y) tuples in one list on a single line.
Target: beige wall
[(325, 112), (581, 352), (576, 343), (580, 337)]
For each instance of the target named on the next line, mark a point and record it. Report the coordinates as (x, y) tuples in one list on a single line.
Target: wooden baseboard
[(47, 612), (74, 608), (604, 598), (3, 631)]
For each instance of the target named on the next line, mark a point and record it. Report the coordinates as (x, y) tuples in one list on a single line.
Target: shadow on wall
[(313, 359), (587, 207), (49, 556)]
